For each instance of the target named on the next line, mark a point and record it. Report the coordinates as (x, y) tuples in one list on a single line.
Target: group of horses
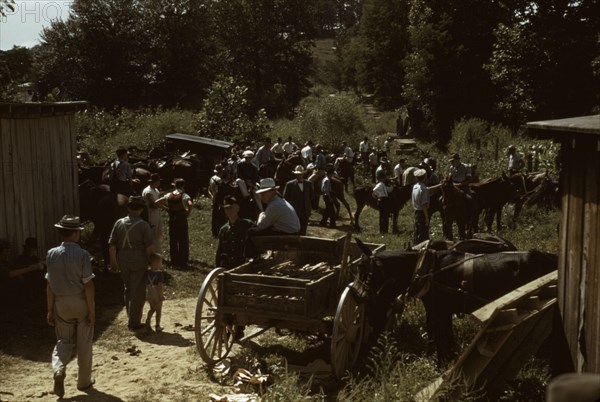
[(462, 207)]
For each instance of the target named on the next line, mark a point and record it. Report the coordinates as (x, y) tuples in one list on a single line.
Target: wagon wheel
[(348, 332), (214, 337)]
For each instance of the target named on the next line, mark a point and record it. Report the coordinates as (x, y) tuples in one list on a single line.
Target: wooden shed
[(579, 260), (38, 176)]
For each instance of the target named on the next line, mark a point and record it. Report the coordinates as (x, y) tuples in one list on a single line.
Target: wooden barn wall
[(579, 263), (38, 177)]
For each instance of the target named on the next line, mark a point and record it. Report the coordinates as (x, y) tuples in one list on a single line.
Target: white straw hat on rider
[(266, 184), (248, 154), (420, 173)]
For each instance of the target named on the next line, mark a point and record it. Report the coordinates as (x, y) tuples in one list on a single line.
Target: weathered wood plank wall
[(38, 177), (579, 264)]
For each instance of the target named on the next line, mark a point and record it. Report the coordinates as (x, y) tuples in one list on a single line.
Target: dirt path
[(166, 368)]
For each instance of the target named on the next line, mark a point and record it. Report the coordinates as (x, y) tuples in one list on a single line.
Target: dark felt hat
[(229, 200), (136, 202), (154, 177), (30, 242)]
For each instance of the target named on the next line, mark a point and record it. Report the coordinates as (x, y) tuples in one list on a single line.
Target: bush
[(100, 133), (332, 119), (482, 143)]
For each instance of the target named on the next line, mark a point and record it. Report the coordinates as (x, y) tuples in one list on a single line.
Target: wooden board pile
[(289, 270)]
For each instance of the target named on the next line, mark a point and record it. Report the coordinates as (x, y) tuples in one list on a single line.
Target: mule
[(102, 208), (346, 173), (447, 282), (491, 196), (457, 207)]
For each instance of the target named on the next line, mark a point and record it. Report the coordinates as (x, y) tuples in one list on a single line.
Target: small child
[(154, 294)]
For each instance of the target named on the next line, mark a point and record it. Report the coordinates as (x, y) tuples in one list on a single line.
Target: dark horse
[(491, 196), (346, 173), (363, 196), (102, 208), (447, 282), (248, 209), (458, 207)]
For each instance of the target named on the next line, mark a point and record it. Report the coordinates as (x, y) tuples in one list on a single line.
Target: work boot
[(59, 383)]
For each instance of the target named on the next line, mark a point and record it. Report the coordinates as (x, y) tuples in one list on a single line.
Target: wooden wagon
[(302, 286)]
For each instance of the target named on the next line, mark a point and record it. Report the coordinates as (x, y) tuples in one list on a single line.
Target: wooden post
[(343, 278)]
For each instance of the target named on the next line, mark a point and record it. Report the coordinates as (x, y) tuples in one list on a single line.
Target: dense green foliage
[(439, 62)]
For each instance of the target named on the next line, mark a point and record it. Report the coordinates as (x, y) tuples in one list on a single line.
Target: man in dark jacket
[(299, 193)]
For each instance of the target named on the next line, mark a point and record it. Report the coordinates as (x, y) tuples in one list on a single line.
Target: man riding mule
[(447, 282)]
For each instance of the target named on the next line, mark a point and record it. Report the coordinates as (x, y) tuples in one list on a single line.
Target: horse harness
[(423, 278)]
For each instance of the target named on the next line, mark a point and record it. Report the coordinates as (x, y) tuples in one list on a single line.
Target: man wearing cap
[(383, 194), (515, 161), (420, 202), (151, 195), (180, 206), (264, 154), (459, 172), (299, 193), (233, 236), (247, 175), (121, 174), (70, 301), (130, 244), (373, 163), (320, 164), (279, 217), (382, 169)]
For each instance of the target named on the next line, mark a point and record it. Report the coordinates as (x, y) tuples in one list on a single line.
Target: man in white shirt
[(348, 152), (382, 192), (151, 194), (306, 152), (420, 202), (364, 148), (289, 147), (277, 148)]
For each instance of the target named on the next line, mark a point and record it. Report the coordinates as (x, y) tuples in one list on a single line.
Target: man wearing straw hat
[(130, 244), (70, 299), (420, 202), (279, 217), (300, 193)]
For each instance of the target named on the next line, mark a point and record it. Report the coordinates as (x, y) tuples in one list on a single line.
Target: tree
[(225, 113), (445, 77), (130, 53), (542, 64), (267, 44)]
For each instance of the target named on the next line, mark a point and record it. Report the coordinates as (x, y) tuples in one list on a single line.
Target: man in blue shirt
[(70, 298)]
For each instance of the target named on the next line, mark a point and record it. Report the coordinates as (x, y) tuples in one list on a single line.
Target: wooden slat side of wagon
[(297, 287)]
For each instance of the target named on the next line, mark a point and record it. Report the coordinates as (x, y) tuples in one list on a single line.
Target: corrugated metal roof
[(576, 125), (201, 140)]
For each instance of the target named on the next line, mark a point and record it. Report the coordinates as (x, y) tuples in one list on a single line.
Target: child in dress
[(154, 294)]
